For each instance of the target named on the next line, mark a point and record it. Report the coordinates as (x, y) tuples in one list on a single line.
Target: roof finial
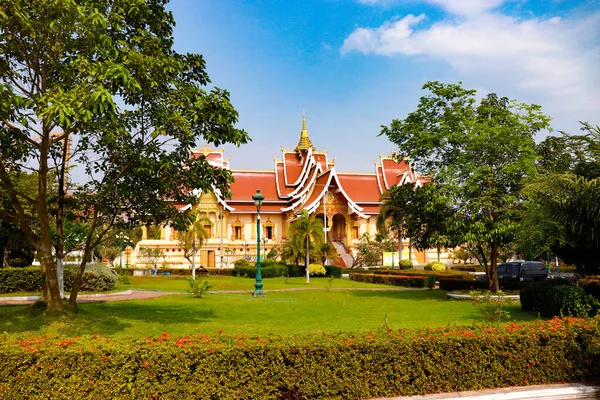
[(304, 143)]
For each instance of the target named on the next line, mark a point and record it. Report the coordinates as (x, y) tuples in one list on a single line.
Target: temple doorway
[(338, 231)]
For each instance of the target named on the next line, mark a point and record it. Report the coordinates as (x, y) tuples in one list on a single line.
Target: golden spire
[(304, 143)]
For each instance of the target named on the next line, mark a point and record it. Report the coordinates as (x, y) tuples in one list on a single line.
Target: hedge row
[(386, 271), (95, 278), (273, 270), (334, 366), (417, 281)]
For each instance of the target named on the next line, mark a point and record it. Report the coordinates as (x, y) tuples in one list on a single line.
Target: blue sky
[(354, 65)]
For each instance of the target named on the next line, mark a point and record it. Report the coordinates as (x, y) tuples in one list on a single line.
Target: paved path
[(150, 294)]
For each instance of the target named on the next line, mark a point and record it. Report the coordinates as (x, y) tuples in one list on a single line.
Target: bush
[(380, 363), (295, 271), (270, 271), (430, 281), (334, 271), (242, 262), (460, 284), (98, 278), (569, 301), (317, 270), (197, 288), (405, 264), (417, 281), (591, 286), (435, 266), (20, 280), (534, 295)]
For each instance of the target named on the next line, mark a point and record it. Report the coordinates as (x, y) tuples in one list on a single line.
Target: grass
[(180, 283), (277, 313)]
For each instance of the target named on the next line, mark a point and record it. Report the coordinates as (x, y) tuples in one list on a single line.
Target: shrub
[(242, 262), (20, 280), (380, 363), (450, 284), (197, 288), (535, 294), (317, 270), (435, 266), (334, 271), (98, 278), (394, 280), (430, 281), (569, 301), (294, 271), (591, 286), (405, 264), (492, 305), (270, 271)]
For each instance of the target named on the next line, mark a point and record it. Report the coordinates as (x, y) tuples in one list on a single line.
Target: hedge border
[(377, 363)]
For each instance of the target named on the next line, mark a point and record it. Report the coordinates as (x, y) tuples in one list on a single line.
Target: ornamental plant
[(317, 270)]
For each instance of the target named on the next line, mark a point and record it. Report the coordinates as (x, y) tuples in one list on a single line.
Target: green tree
[(63, 64), (394, 210), (479, 155), (292, 249), (325, 251), (561, 214), (306, 230), (192, 239)]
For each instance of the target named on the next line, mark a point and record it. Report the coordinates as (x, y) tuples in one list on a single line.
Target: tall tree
[(395, 211), (307, 230), (563, 211), (480, 155), (192, 239), (63, 65)]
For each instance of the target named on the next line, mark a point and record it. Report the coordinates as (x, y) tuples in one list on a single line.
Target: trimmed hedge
[(460, 284), (333, 365), (333, 271), (417, 281), (534, 295), (95, 278), (386, 271)]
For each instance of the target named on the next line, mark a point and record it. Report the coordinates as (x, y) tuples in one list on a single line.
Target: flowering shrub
[(317, 270), (377, 363)]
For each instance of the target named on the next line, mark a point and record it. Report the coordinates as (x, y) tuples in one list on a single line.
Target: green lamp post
[(258, 199), (121, 236)]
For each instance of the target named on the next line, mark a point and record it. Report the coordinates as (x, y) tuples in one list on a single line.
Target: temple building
[(303, 178)]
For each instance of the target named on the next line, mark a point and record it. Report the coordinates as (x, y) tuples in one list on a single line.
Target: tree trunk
[(493, 278), (193, 261), (50, 291), (307, 258), (87, 252), (399, 244), (439, 250), (60, 274)]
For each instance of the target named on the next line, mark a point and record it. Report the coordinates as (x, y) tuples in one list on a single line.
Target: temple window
[(269, 232), (208, 230), (237, 232), (355, 232)]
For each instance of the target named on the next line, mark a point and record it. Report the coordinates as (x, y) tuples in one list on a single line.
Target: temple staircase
[(343, 254)]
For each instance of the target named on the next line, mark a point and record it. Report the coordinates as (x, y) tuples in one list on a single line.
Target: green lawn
[(180, 283), (278, 313)]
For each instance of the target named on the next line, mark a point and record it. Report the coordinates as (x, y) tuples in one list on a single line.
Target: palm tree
[(306, 229), (325, 251), (192, 240), (292, 249), (395, 208)]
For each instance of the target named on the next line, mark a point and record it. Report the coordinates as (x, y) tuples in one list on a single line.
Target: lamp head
[(258, 199)]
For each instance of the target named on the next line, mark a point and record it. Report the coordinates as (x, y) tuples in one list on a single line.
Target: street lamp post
[(121, 237), (258, 199)]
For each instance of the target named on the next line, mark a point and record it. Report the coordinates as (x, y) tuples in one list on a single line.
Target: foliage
[(492, 305), (192, 239), (379, 363), (325, 251), (561, 214), (242, 262), (430, 281), (103, 78), (417, 281), (98, 278), (370, 251), (306, 232), (435, 266), (269, 271), (333, 271), (198, 289), (150, 256), (317, 270), (590, 286), (478, 156), (449, 284), (535, 294), (405, 264)]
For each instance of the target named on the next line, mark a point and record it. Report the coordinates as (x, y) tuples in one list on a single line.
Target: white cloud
[(458, 7), (556, 59)]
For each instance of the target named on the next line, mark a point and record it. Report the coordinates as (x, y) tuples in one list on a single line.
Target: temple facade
[(302, 179)]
